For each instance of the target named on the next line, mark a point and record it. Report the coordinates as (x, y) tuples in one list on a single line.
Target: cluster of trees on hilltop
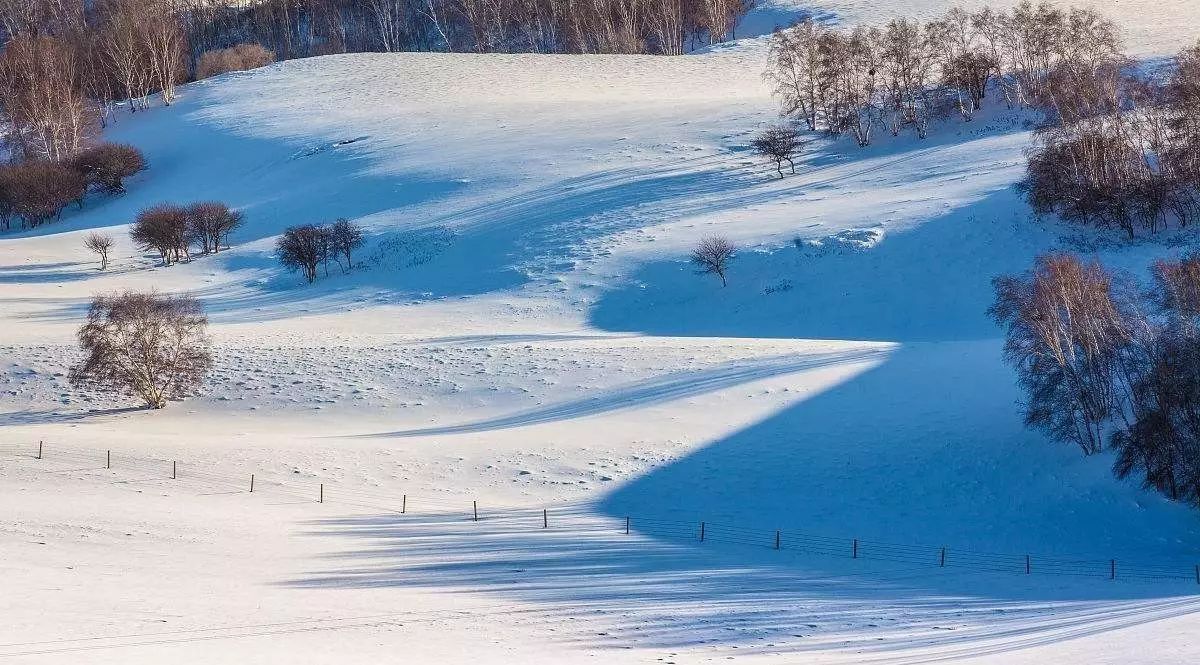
[(907, 73), (312, 27), (1113, 149), (1118, 151), (73, 58), (65, 61), (1106, 365), (65, 64)]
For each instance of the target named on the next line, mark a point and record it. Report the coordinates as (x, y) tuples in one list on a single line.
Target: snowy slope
[(525, 331)]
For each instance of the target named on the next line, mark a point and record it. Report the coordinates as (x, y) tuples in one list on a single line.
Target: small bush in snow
[(233, 59), (712, 256), (345, 237), (210, 223), (163, 229), (303, 248), (151, 346), (779, 144), (101, 244), (309, 246), (38, 191), (107, 165)]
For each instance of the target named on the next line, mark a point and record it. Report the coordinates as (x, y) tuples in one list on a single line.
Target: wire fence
[(147, 469)]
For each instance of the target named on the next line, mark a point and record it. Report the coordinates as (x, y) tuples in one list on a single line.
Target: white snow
[(526, 333)]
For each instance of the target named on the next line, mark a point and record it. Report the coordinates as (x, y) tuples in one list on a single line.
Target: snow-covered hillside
[(526, 333)]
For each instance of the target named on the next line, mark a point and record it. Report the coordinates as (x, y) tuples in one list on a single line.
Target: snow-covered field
[(526, 333)]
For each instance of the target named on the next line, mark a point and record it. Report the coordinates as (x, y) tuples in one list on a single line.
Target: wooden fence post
[(321, 493), (39, 450), (475, 510), (252, 483), (626, 525), (108, 459), (545, 519), (403, 504), (173, 470)]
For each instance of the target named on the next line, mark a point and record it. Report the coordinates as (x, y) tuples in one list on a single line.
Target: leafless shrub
[(233, 59), (1084, 176), (210, 223), (163, 229), (1117, 151), (101, 244), (778, 143), (108, 164), (303, 248), (151, 346), (712, 256), (39, 191), (345, 237)]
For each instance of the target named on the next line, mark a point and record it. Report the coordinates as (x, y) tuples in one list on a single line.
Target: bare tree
[(210, 223), (1177, 286), (392, 18), (800, 71), (779, 143), (41, 95), (303, 248), (907, 56), (712, 256), (108, 164), (39, 191), (148, 345), (965, 63), (1066, 332), (166, 45), (164, 229), (123, 46), (345, 237), (101, 244)]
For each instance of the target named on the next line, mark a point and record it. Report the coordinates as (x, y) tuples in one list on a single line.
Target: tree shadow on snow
[(51, 416), (924, 447), (892, 291), (634, 591)]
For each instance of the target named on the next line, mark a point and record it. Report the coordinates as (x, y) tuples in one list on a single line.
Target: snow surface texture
[(524, 332)]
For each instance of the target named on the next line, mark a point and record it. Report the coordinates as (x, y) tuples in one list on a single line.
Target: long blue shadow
[(928, 283)]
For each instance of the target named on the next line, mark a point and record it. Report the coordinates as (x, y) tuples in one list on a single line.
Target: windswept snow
[(525, 332)]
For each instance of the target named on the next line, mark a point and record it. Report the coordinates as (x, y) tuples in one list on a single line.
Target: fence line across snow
[(531, 518)]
